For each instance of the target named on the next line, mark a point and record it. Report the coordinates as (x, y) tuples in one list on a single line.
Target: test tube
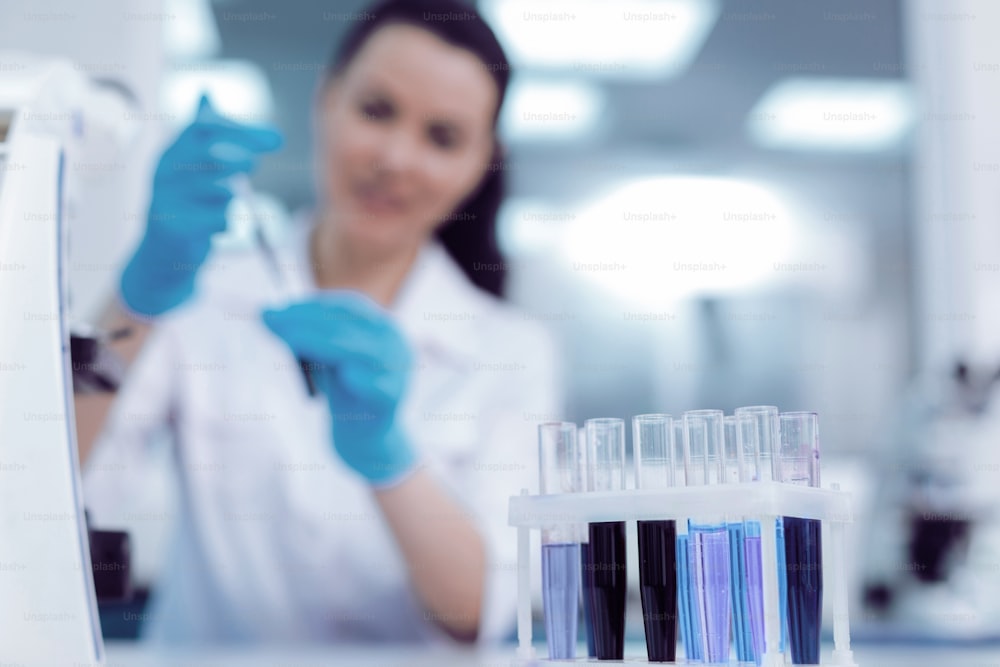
[(653, 451), (703, 442), (759, 442), (559, 472), (798, 463), (736, 469), (606, 573), (586, 588), (687, 605), (760, 457)]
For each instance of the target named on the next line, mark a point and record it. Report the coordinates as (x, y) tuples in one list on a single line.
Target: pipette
[(243, 190)]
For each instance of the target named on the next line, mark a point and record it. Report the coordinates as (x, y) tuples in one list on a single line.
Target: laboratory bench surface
[(131, 655)]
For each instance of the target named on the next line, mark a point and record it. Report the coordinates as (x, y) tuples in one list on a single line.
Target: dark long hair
[(469, 234)]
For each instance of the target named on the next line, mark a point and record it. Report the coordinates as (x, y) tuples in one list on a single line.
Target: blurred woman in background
[(377, 510)]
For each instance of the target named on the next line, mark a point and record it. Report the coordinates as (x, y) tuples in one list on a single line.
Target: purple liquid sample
[(658, 588), (804, 558), (585, 593), (755, 595), (609, 585), (560, 598), (712, 584)]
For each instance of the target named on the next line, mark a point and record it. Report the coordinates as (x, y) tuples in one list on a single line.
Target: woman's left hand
[(361, 362)]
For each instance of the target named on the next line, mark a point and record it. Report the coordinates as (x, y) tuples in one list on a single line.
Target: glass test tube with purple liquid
[(559, 472), (710, 567), (757, 434), (736, 469)]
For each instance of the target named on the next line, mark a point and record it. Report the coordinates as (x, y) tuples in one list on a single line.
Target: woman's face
[(406, 132)]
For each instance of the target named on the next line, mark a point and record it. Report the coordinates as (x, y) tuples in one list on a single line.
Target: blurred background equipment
[(120, 45), (933, 551)]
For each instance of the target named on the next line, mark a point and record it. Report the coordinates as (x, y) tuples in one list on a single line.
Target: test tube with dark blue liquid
[(798, 463), (606, 574), (653, 451), (559, 472), (585, 583), (711, 576)]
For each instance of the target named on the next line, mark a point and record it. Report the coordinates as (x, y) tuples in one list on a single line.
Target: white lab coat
[(277, 540)]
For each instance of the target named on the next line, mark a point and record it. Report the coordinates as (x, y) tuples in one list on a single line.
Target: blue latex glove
[(360, 361), (189, 206)]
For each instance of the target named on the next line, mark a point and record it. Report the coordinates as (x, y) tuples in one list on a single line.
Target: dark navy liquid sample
[(804, 563), (606, 576), (585, 590), (658, 588), (561, 597)]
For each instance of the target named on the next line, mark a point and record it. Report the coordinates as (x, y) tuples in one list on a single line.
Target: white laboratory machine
[(49, 113)]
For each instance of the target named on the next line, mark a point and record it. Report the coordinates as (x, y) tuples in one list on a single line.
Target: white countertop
[(129, 655)]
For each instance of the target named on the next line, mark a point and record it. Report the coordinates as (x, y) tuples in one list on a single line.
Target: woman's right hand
[(190, 196)]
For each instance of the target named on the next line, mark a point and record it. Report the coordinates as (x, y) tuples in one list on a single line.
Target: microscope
[(932, 556)]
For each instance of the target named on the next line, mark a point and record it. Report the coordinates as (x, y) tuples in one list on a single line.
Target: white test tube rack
[(763, 501)]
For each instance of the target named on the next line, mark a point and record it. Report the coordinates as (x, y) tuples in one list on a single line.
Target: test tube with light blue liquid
[(757, 434), (687, 606), (606, 573), (798, 463), (559, 472), (653, 451), (704, 438)]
